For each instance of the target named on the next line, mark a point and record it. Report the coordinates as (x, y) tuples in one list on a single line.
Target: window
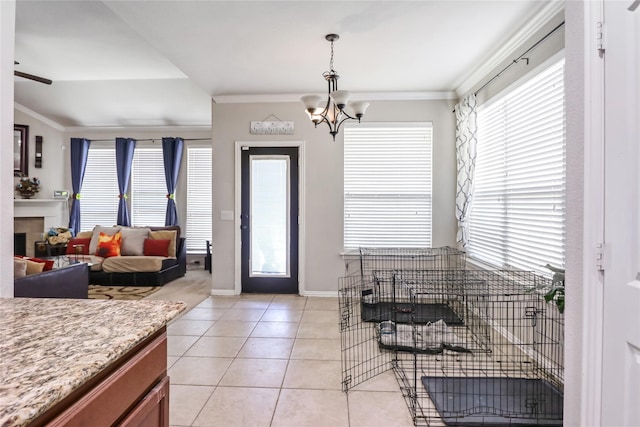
[(99, 194), (148, 187), (198, 198), (387, 185), (517, 217)]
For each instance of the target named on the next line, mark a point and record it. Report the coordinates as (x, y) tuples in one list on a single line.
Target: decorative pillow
[(48, 263), (84, 235), (19, 268), (156, 247), (109, 231), (133, 240), (108, 246), (78, 241), (34, 267), (163, 235)]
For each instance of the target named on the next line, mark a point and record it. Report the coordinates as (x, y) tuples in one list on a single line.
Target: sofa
[(71, 281), (137, 259)]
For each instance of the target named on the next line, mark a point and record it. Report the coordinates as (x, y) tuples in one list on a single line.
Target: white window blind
[(517, 217), (387, 185), (199, 199), (99, 194), (148, 187)]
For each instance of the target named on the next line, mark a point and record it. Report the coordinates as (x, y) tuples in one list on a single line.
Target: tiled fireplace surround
[(35, 216)]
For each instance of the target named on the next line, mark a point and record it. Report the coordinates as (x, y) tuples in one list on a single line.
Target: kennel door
[(362, 359)]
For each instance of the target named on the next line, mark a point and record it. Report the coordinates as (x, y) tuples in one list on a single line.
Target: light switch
[(226, 215)]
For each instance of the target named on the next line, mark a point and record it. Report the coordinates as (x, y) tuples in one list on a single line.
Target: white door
[(621, 339)]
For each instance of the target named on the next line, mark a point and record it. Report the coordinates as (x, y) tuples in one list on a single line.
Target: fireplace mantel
[(54, 211)]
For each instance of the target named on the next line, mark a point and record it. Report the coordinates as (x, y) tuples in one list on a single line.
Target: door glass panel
[(269, 216)]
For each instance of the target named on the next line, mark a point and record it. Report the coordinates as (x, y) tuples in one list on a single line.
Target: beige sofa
[(133, 267)]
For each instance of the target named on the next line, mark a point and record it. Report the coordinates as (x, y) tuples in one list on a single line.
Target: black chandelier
[(333, 113)]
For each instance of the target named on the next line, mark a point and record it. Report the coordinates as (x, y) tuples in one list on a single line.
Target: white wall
[(7, 25), (54, 156), (324, 180)]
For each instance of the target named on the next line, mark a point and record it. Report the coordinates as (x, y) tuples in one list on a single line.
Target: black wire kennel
[(494, 357)]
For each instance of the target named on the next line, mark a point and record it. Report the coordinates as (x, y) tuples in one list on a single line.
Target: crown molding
[(532, 25), (108, 129), (38, 116), (359, 96)]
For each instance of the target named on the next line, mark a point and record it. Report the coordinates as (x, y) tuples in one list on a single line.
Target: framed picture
[(20, 150)]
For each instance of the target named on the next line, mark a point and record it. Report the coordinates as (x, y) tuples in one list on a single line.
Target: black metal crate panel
[(495, 401), (404, 312)]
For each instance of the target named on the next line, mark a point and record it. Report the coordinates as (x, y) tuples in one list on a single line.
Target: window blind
[(517, 217), (148, 187), (199, 198), (99, 194), (387, 185)]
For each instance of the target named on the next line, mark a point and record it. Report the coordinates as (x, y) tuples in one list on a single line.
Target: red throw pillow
[(156, 247), (48, 263), (109, 246), (77, 241)]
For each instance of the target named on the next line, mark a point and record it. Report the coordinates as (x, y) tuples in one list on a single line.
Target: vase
[(27, 196)]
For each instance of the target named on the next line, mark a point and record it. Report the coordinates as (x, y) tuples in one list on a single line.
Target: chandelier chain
[(331, 61)]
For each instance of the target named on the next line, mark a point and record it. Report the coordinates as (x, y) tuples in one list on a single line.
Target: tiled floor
[(265, 360)]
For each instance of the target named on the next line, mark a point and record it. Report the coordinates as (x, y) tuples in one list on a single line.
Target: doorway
[(269, 237)]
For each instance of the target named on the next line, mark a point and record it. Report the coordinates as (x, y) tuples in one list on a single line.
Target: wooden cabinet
[(153, 410), (133, 392)]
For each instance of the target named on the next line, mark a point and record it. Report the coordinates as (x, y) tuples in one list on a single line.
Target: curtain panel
[(466, 144), (125, 148), (172, 156), (79, 153)]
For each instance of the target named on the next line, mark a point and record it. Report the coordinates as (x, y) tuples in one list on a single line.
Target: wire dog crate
[(376, 268), (493, 357)]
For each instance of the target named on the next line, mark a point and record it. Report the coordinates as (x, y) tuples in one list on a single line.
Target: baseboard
[(223, 292), (320, 294)]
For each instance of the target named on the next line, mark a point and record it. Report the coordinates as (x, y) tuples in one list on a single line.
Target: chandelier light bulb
[(359, 108), (340, 98), (311, 102)]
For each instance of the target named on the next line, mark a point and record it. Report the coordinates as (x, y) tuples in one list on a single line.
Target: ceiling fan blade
[(32, 77)]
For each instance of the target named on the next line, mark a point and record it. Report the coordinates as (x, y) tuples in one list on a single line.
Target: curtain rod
[(515, 61), (149, 139)]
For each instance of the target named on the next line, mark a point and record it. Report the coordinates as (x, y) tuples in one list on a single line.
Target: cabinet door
[(153, 410)]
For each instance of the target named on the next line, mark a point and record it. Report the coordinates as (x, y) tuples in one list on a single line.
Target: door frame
[(591, 319), (238, 208)]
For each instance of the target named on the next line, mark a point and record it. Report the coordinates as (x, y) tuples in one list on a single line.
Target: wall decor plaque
[(272, 128)]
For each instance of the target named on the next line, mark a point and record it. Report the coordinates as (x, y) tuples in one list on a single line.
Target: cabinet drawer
[(153, 410), (120, 391)]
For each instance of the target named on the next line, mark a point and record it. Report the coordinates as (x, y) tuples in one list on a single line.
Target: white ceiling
[(158, 63)]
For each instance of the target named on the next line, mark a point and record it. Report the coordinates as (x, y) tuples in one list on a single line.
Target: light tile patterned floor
[(270, 360)]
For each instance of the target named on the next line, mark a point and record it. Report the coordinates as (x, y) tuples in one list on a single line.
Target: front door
[(621, 340), (269, 219)]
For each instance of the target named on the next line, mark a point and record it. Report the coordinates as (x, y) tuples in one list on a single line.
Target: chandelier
[(333, 113)]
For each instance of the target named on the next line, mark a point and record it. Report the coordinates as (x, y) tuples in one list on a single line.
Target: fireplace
[(20, 244), (32, 230), (35, 216)]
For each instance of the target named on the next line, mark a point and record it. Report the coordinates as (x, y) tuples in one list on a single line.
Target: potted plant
[(28, 187), (555, 293)]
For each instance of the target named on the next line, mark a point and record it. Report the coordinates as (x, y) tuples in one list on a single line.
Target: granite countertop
[(50, 347)]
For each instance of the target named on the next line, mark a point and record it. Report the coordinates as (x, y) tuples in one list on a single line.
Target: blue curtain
[(172, 155), (124, 157), (79, 154)]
